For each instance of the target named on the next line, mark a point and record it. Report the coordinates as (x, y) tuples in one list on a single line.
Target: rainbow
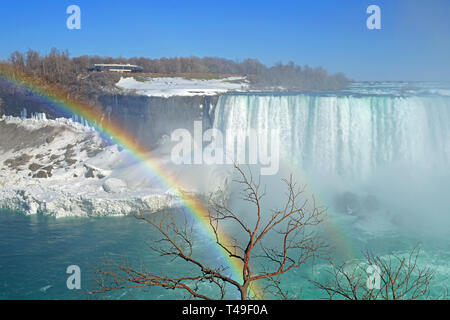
[(114, 132), (194, 207)]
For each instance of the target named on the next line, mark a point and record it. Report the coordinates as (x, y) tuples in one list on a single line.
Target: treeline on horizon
[(58, 67)]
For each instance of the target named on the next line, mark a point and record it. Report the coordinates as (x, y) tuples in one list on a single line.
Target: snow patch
[(114, 185), (177, 86)]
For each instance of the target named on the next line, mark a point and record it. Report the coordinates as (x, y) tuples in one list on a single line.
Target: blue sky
[(413, 43)]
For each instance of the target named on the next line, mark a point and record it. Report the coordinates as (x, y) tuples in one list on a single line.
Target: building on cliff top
[(101, 67)]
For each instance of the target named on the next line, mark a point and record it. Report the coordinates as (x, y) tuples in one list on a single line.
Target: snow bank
[(176, 86), (63, 168)]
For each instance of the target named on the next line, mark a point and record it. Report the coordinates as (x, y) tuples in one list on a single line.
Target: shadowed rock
[(40, 174)]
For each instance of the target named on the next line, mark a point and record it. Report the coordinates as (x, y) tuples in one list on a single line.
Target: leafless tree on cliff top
[(293, 241)]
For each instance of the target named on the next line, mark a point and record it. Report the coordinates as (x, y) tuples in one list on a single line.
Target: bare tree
[(394, 277), (265, 244)]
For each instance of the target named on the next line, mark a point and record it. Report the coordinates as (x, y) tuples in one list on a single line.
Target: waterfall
[(351, 136)]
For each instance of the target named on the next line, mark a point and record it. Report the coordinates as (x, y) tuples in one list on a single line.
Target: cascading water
[(351, 136), (371, 148), (377, 156)]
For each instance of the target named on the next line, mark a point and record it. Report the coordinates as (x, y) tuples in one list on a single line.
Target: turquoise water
[(36, 250), (378, 158)]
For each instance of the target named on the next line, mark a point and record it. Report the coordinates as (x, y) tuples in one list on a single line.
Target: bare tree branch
[(400, 278), (293, 242)]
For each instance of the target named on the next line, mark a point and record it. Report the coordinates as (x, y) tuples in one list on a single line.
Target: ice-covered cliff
[(64, 168)]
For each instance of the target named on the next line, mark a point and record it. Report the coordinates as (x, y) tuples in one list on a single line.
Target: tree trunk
[(244, 290)]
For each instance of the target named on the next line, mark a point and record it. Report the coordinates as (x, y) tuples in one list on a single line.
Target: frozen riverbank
[(63, 168)]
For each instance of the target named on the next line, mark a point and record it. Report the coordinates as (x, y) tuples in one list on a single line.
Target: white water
[(347, 135), (382, 144), (391, 149)]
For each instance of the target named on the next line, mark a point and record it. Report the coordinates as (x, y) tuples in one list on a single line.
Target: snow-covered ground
[(177, 86), (63, 168)]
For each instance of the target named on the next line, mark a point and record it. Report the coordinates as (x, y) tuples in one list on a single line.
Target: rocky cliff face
[(150, 118), (14, 100), (146, 118)]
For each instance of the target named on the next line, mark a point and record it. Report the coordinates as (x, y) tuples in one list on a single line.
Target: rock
[(40, 174), (89, 173), (93, 152), (49, 170), (348, 202), (114, 185), (34, 167), (92, 172), (70, 161), (18, 161), (69, 153)]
